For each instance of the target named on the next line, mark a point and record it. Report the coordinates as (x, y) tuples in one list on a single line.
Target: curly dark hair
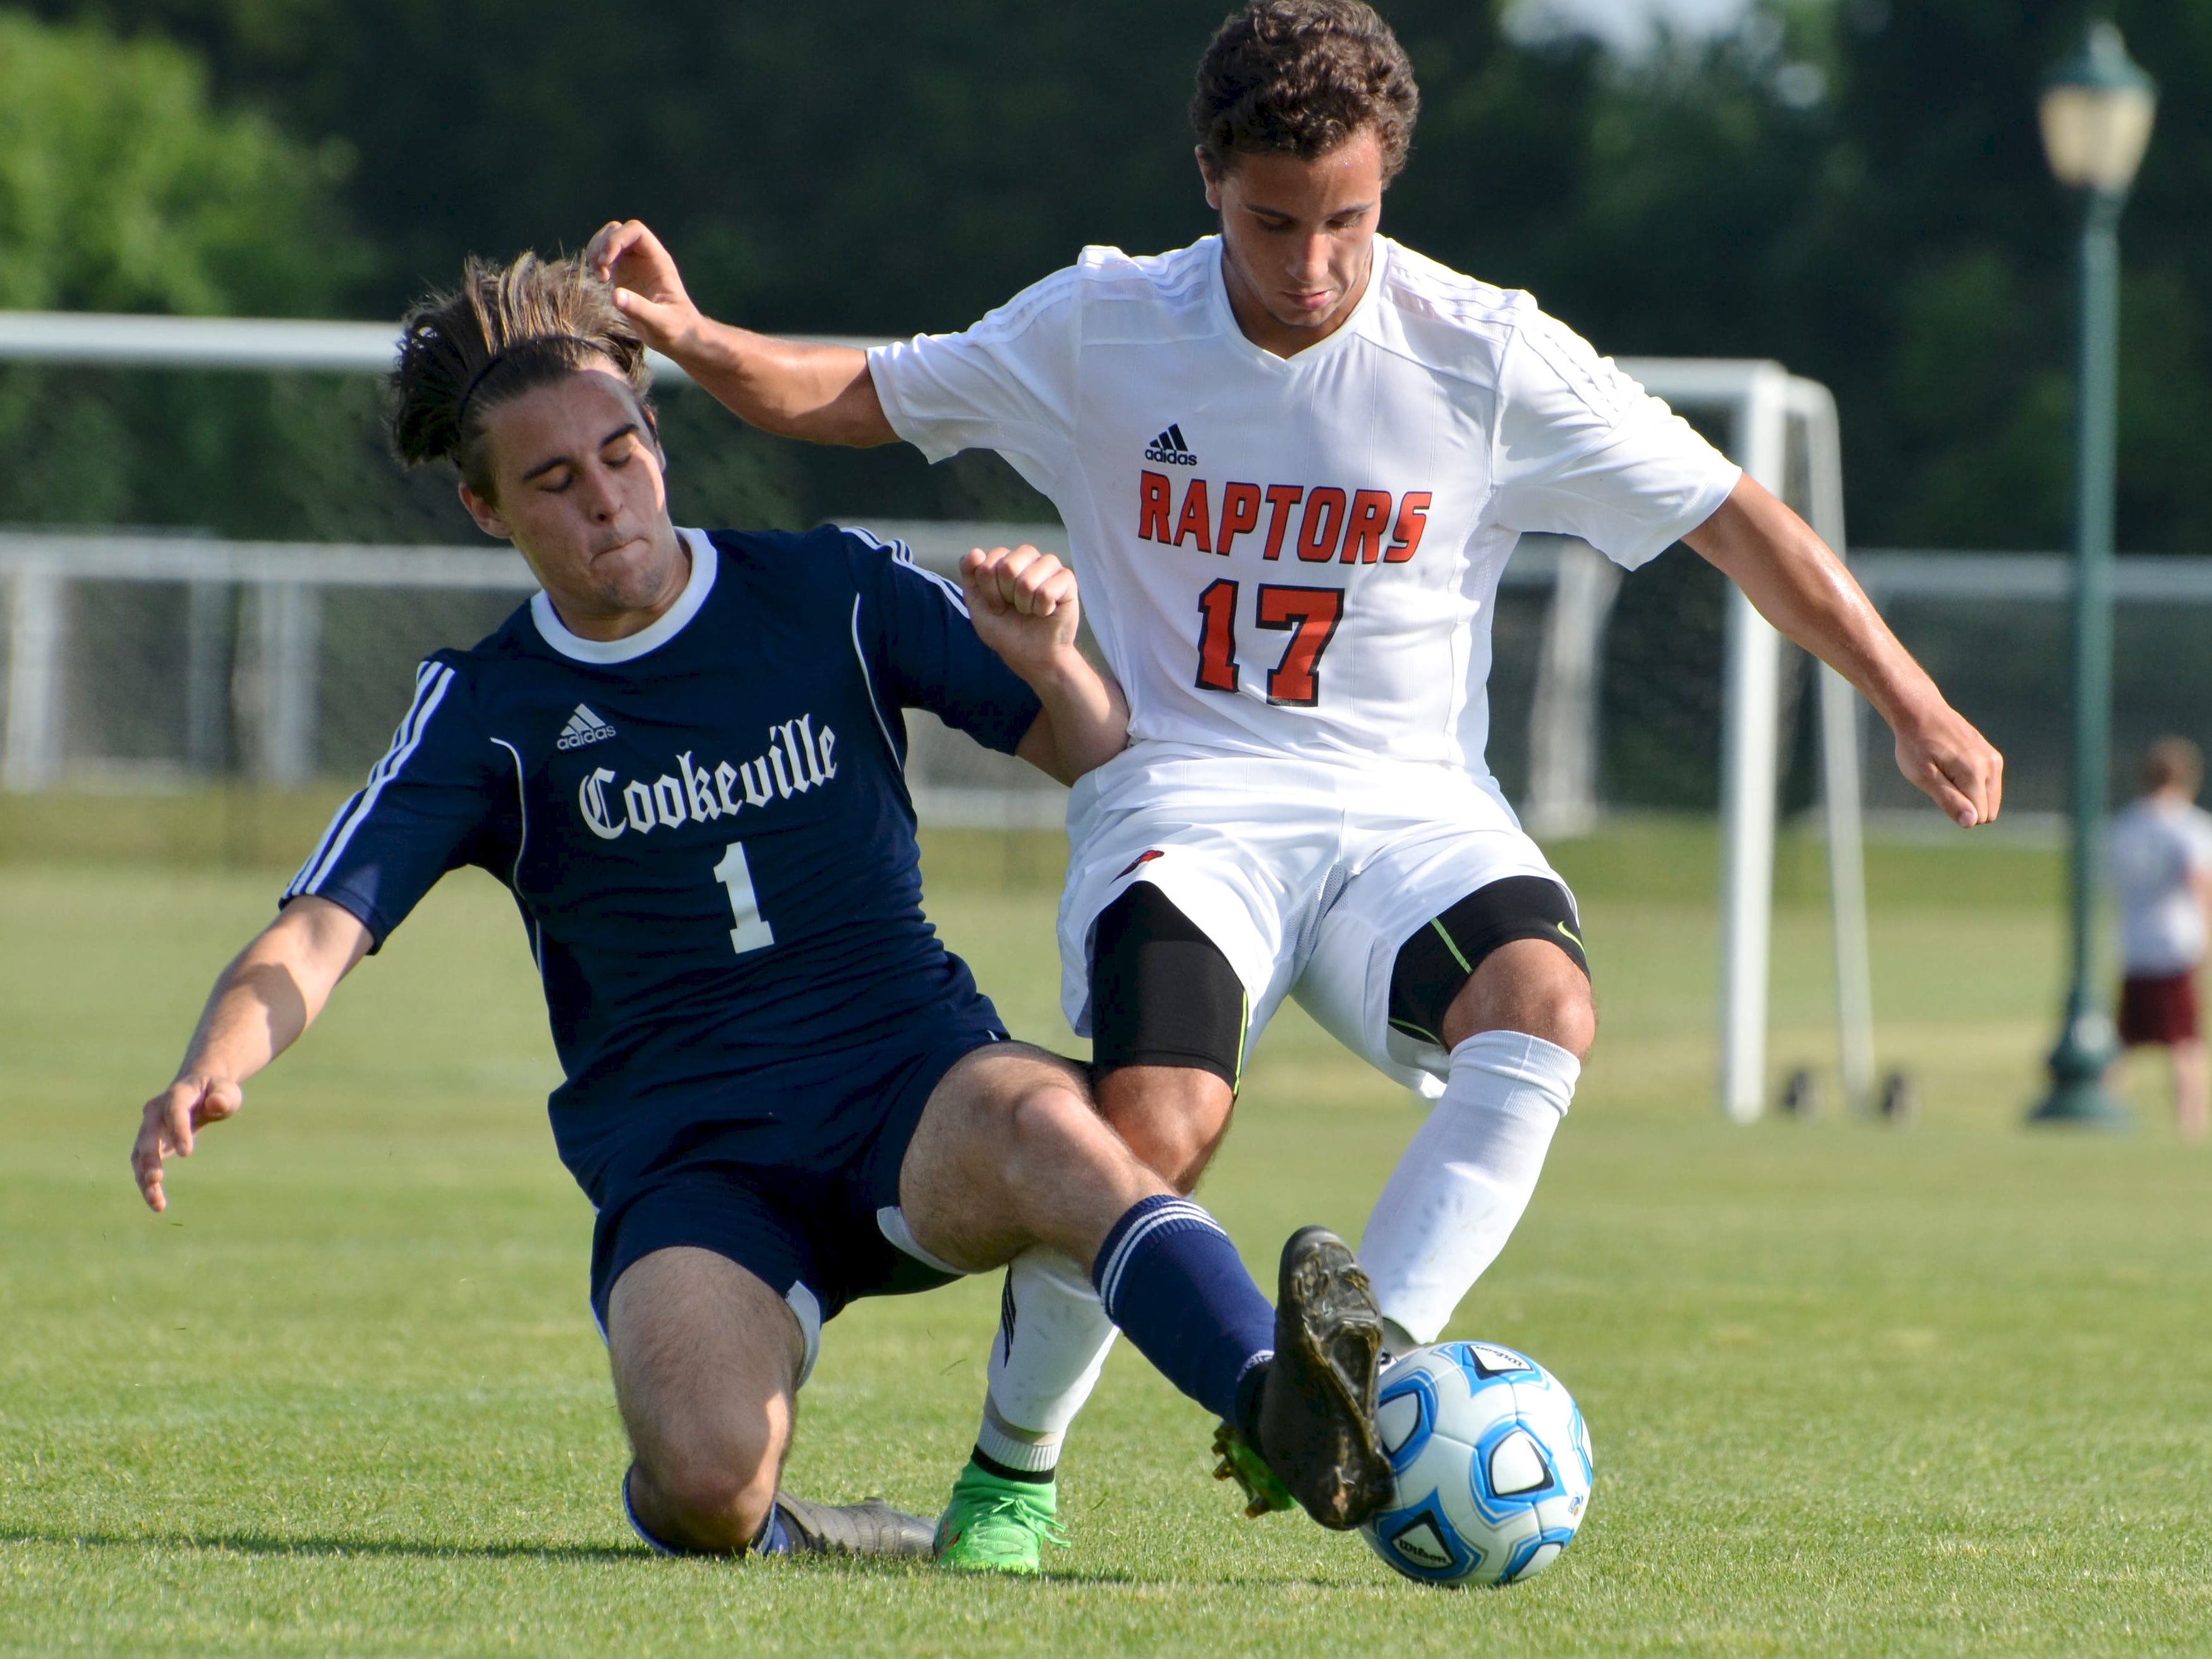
[(1301, 76), (506, 330)]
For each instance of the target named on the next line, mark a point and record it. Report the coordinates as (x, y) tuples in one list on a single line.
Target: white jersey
[(1300, 557), (2156, 846)]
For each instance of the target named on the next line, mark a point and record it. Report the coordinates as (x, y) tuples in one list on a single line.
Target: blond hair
[(506, 330)]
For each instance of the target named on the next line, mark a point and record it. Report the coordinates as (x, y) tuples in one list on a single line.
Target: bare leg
[(2189, 1103), (1173, 1117), (706, 1363), (1526, 985), (1009, 1153)]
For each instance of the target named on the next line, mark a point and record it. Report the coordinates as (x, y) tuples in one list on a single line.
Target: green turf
[(1851, 1390)]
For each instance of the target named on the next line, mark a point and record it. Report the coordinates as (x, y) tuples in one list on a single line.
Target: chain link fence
[(257, 625), (150, 664)]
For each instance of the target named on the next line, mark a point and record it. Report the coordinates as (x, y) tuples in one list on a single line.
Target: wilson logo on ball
[(1490, 1461)]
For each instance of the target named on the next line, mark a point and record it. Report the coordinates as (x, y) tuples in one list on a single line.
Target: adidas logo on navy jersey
[(1171, 450), (583, 727)]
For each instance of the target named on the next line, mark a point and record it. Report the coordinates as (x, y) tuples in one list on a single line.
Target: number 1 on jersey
[(1216, 637), (752, 932), (1309, 614)]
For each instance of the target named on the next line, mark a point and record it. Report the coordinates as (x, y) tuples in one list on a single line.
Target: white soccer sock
[(1457, 1194), (1052, 1343)]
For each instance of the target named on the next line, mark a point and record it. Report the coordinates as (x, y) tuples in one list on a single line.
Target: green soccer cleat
[(1263, 1489), (997, 1525)]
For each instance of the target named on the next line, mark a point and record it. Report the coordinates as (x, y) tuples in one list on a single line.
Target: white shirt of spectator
[(2155, 845), (1300, 557)]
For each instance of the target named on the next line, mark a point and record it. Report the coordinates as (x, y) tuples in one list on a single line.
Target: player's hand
[(170, 1121), (648, 290), (1022, 602), (1953, 764)]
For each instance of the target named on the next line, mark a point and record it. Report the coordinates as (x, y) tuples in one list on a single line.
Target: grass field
[(1852, 1390)]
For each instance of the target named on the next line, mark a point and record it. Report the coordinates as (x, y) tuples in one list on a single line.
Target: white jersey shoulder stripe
[(430, 691), (868, 680), (424, 671), (1445, 324), (522, 846), (902, 556), (1015, 317), (1601, 383), (1172, 275), (1152, 300), (1414, 282)]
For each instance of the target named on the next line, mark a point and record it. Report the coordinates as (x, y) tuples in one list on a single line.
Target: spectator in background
[(2162, 854)]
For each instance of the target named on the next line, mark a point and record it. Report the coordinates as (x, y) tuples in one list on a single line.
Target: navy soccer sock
[(773, 1538), (1169, 1277)]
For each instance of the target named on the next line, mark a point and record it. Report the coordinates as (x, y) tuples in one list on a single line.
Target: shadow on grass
[(255, 1543), (276, 1544)]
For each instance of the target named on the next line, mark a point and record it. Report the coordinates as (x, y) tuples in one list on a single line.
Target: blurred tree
[(1854, 186), (122, 189), (1858, 189)]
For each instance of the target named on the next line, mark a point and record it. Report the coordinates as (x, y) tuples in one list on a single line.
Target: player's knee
[(1564, 1014), (713, 1493), (1507, 957), (1172, 1118), (1050, 1126), (1530, 987)]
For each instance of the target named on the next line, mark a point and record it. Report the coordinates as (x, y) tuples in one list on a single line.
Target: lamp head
[(2096, 111)]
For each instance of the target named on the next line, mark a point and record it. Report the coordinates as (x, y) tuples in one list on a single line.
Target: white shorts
[(1307, 876)]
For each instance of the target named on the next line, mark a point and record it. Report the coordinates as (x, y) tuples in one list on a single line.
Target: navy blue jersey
[(706, 827)]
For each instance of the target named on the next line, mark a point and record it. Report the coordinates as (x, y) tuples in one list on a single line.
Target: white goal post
[(1764, 407)]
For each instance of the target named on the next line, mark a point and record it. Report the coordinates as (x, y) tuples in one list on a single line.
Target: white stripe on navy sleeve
[(903, 557), (860, 654), (431, 683)]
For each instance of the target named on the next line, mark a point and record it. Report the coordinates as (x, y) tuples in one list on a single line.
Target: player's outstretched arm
[(822, 393), (269, 995), (1025, 607), (1802, 587)]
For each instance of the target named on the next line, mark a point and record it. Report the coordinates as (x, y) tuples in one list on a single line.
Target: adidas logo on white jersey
[(584, 728), (1171, 450)]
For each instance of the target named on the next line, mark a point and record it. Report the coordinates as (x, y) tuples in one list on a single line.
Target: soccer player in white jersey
[(1292, 460), (2162, 854)]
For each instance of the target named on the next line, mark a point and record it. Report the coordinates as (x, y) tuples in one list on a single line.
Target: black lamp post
[(2097, 113)]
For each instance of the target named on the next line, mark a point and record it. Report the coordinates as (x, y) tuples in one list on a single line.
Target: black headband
[(498, 358)]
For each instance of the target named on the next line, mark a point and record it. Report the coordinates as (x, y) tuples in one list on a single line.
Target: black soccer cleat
[(1315, 1417), (869, 1528)]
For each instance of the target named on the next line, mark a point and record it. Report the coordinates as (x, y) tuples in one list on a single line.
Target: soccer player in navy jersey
[(682, 758)]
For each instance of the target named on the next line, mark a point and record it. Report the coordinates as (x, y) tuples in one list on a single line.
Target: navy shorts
[(819, 1237)]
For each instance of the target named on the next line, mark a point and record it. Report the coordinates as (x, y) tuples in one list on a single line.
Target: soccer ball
[(1493, 1463)]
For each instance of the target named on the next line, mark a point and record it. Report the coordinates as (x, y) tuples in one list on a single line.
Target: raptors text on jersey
[(1300, 556)]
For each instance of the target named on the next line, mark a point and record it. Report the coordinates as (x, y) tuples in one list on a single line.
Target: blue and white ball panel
[(1492, 1460)]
